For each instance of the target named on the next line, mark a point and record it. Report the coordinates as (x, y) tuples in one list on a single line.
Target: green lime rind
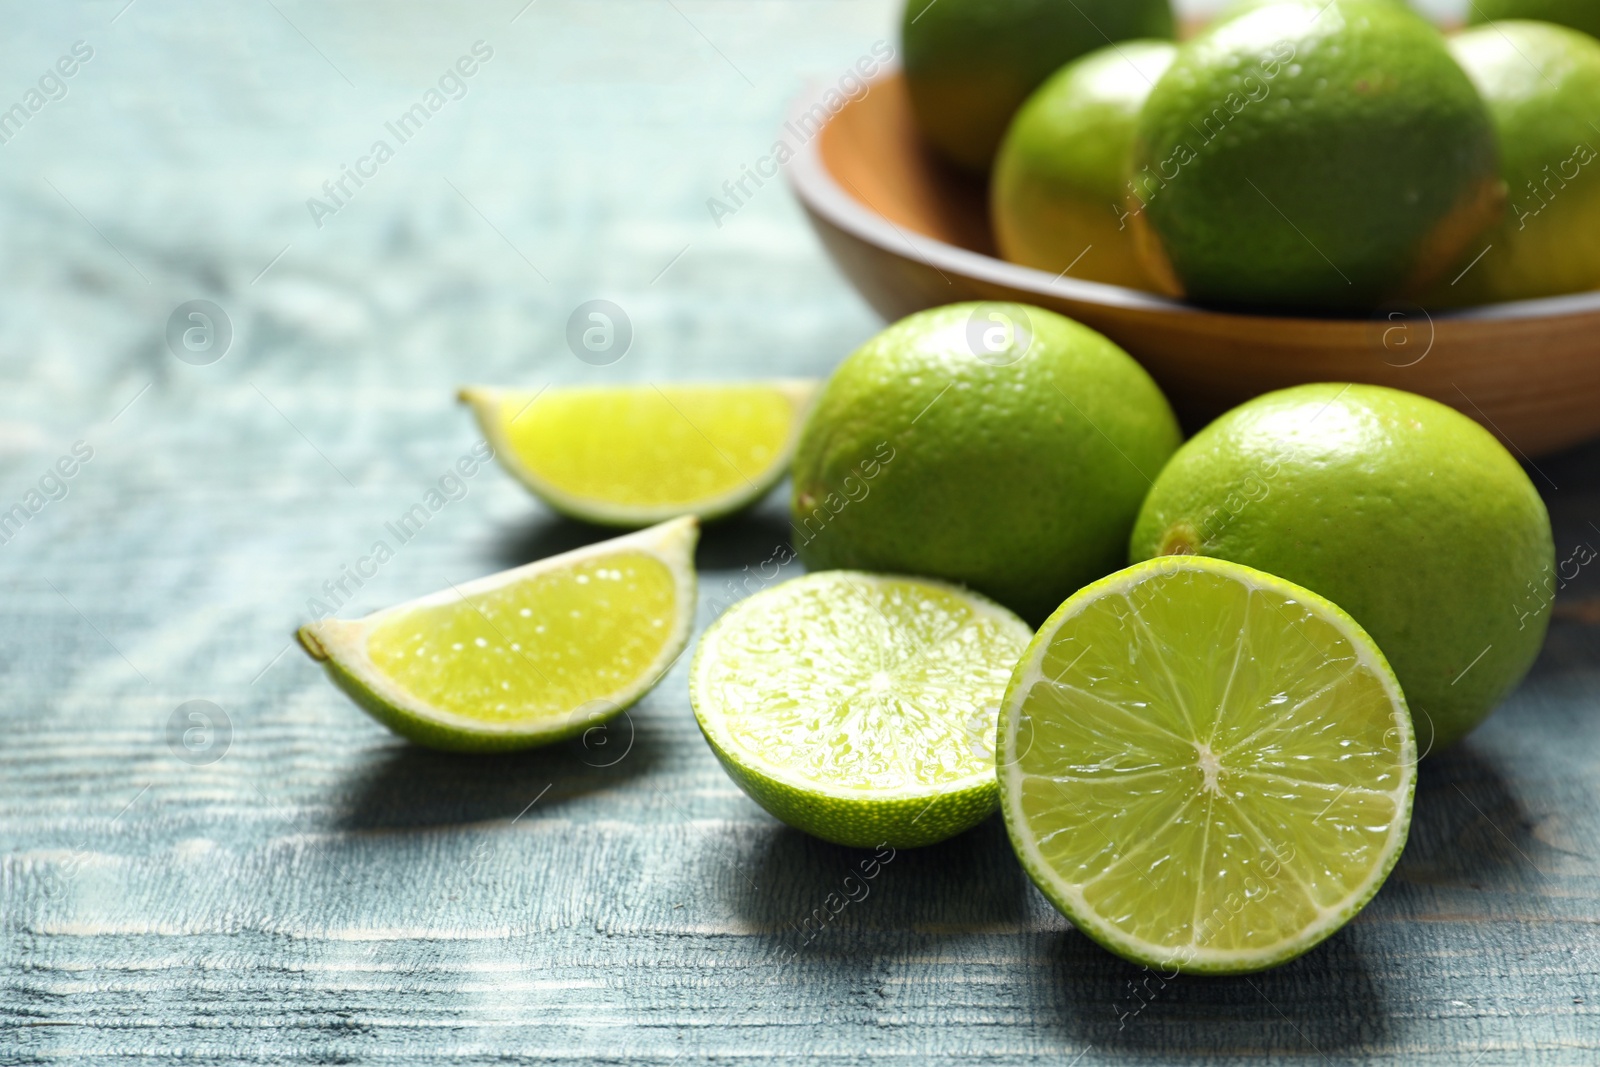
[(1314, 158), (841, 662), (909, 821), (436, 729), (1578, 14), (341, 646), (1541, 83), (969, 64), (1016, 471), (1059, 180), (1068, 898)]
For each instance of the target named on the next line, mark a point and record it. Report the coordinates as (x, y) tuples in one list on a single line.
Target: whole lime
[(1060, 178), (1579, 14), (1312, 157), (1542, 85), (1000, 446), (1402, 511), (969, 64)]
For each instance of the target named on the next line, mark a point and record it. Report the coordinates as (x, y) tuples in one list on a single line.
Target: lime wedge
[(1204, 767), (860, 708), (639, 454), (525, 657)]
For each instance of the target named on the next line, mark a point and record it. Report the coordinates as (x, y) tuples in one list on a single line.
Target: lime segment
[(492, 658), (1205, 767), (526, 657), (639, 454), (860, 708)]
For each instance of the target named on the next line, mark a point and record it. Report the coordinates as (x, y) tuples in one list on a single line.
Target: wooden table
[(300, 886)]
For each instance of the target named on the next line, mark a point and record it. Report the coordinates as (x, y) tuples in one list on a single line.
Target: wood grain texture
[(324, 893)]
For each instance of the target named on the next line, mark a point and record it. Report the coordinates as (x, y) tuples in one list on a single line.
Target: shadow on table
[(1324, 1003), (1468, 829), (746, 539), (821, 898), (410, 787), (846, 910)]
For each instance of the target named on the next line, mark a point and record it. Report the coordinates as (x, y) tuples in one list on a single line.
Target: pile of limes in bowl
[(1293, 156)]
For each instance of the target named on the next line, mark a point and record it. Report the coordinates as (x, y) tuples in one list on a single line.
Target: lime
[(1312, 157), (1579, 14), (1060, 178), (1000, 446), (1402, 511), (529, 656), (1542, 84), (857, 707), (1204, 767), (639, 454), (969, 64)]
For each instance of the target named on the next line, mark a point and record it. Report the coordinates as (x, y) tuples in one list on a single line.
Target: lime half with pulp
[(1204, 767), (860, 708), (526, 657), (635, 455)]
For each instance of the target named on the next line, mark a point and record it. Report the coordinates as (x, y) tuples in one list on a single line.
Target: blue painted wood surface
[(301, 886)]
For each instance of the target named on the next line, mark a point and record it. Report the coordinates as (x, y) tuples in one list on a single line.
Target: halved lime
[(640, 454), (858, 707), (526, 657), (1204, 767)]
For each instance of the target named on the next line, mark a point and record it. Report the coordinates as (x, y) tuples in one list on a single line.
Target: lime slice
[(860, 708), (525, 657), (640, 454), (1204, 767)]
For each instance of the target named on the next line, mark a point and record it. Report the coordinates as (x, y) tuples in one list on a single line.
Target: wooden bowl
[(910, 234)]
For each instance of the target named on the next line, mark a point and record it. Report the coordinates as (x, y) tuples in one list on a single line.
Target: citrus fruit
[(1312, 157), (529, 656), (1000, 446), (1542, 85), (969, 64), (1204, 767), (1405, 513), (1578, 14), (858, 707), (1060, 178), (639, 454)]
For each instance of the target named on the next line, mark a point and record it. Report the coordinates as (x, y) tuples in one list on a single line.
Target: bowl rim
[(820, 192)]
